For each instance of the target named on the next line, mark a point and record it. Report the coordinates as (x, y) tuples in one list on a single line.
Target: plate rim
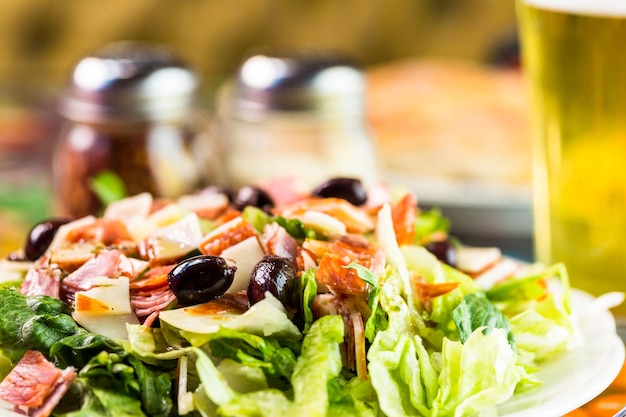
[(608, 365)]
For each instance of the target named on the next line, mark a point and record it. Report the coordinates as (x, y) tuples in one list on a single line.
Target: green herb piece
[(378, 318)]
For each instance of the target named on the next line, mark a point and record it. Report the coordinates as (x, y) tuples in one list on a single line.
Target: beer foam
[(588, 7)]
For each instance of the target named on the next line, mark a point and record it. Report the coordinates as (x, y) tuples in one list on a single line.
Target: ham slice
[(353, 347), (36, 384), (42, 279), (280, 243), (150, 294), (146, 304), (108, 263)]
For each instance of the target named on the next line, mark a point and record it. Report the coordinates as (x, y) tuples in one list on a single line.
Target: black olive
[(350, 189), (278, 276), (253, 196), (200, 279), (40, 237), (444, 250)]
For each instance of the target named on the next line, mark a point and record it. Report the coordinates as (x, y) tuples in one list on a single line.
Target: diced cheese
[(133, 211), (265, 318), (324, 223), (473, 260), (105, 309), (109, 296), (167, 215), (203, 201), (244, 255), (60, 238), (175, 240), (110, 325), (13, 271), (130, 207), (186, 230), (502, 270)]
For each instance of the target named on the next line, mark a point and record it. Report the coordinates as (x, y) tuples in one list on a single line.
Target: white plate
[(571, 380), (577, 377)]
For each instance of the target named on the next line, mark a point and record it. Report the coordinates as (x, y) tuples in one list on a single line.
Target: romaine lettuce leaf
[(296, 228), (319, 362), (150, 345), (316, 386), (429, 223), (309, 291), (538, 308), (476, 375), (400, 368), (427, 267), (242, 377), (275, 361), (113, 384), (397, 263)]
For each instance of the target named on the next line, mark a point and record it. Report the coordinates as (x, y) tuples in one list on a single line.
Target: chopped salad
[(342, 301)]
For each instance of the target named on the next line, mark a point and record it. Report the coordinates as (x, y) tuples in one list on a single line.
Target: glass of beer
[(574, 56)]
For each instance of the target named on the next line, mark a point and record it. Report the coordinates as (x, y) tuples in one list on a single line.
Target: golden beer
[(574, 54)]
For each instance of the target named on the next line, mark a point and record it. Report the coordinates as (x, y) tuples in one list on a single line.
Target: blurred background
[(445, 95)]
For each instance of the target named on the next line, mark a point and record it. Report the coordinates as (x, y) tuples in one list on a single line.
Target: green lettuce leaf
[(78, 349), (400, 368), (109, 378), (256, 217), (268, 318), (118, 385), (309, 291), (319, 362), (316, 386), (32, 323), (267, 354), (477, 312), (538, 308), (426, 266), (476, 375), (428, 223), (150, 345)]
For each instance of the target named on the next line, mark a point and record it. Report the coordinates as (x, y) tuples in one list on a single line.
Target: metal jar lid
[(294, 81), (130, 80)]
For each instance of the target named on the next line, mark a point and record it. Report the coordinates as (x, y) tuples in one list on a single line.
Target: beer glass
[(574, 56)]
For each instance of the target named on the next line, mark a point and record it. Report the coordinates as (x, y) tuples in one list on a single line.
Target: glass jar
[(295, 114), (130, 111)]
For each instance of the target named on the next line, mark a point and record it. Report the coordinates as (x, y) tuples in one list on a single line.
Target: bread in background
[(453, 119)]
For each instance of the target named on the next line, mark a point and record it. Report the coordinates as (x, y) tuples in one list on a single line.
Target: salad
[(342, 301)]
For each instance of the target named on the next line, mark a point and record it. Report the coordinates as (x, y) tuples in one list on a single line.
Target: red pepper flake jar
[(130, 110)]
